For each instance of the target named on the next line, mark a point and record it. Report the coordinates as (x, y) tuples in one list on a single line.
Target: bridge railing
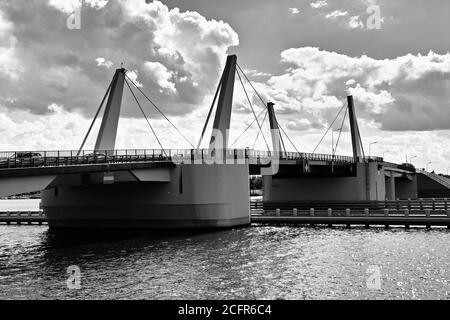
[(23, 159), (434, 204)]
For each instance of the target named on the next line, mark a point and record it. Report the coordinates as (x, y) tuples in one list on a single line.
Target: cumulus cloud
[(294, 11), (336, 14), (64, 130), (299, 125), (355, 22), (104, 63), (319, 4), (161, 75), (52, 64), (69, 6), (410, 92), (256, 73)]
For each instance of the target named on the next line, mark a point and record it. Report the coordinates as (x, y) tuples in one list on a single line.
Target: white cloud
[(319, 4), (69, 6), (98, 4), (66, 6), (256, 73), (336, 14), (299, 125), (409, 92), (133, 76), (191, 49), (294, 11), (355, 22), (159, 73), (102, 62), (9, 64)]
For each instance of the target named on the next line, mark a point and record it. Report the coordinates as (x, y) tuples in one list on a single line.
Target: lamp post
[(411, 157), (384, 152), (447, 170), (428, 164), (370, 145)]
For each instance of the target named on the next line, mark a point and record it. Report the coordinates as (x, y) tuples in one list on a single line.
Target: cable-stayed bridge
[(200, 188)]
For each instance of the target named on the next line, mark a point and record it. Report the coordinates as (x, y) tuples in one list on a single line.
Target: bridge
[(197, 187)]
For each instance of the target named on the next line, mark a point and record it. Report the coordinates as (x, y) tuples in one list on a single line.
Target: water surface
[(248, 263)]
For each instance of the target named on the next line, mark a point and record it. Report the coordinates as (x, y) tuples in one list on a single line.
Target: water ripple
[(248, 263)]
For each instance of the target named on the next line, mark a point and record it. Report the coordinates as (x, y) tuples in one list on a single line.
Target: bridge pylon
[(106, 138), (221, 125), (354, 130), (274, 130)]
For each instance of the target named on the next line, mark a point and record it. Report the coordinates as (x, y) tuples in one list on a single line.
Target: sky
[(305, 56)]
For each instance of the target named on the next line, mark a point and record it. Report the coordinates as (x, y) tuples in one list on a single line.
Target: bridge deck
[(32, 159)]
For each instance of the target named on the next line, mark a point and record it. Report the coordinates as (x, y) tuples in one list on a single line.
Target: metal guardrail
[(25, 217), (433, 204), (27, 159), (349, 217), (256, 205)]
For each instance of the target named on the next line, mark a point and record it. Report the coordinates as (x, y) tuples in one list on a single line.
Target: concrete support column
[(391, 195)]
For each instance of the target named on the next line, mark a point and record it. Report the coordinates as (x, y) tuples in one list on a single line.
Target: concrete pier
[(193, 196)]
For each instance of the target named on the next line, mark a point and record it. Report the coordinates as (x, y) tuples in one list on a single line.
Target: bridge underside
[(337, 183), (297, 169), (316, 169)]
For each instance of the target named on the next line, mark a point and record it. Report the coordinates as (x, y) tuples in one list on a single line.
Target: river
[(258, 262)]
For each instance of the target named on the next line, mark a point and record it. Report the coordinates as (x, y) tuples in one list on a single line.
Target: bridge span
[(192, 188)]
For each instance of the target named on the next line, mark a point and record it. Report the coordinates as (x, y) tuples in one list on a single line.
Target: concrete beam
[(12, 186), (155, 175)]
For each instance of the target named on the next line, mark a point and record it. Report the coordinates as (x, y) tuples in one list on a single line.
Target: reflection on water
[(248, 263)]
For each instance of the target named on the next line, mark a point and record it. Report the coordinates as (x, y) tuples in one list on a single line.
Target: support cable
[(262, 125), (263, 102), (342, 108), (95, 117), (248, 127), (360, 141), (265, 106), (340, 132), (145, 116), (210, 111), (154, 105), (253, 111), (288, 138)]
